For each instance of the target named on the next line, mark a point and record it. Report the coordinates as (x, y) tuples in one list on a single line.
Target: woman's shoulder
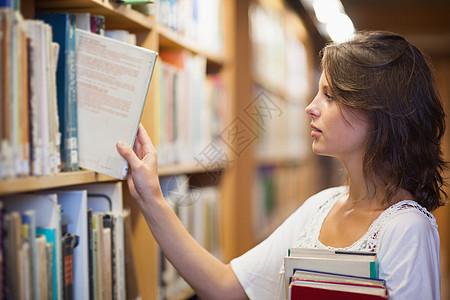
[(408, 213), (407, 220)]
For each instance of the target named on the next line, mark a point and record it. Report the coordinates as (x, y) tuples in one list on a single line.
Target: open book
[(112, 83)]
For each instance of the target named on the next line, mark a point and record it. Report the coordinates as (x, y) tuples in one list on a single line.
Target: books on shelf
[(29, 121), (324, 273), (47, 243), (63, 28), (197, 20), (112, 82), (41, 93), (191, 109), (198, 210)]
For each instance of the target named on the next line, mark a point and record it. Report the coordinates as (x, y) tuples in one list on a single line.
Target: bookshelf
[(283, 176), (234, 64)]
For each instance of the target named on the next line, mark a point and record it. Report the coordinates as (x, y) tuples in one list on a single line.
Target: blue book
[(6, 3), (63, 29)]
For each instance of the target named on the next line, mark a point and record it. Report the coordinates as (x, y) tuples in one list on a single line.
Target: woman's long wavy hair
[(389, 79)]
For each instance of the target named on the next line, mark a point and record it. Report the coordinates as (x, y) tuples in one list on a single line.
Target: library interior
[(221, 86)]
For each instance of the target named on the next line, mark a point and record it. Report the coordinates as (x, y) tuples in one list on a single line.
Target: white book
[(83, 20), (74, 210), (107, 268), (41, 266), (112, 83)]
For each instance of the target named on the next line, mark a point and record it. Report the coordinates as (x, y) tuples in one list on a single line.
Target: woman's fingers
[(128, 154), (144, 140)]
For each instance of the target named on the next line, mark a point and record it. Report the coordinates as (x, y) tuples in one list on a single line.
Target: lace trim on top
[(309, 237)]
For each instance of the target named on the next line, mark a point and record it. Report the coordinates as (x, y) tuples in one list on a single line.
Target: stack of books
[(328, 274)]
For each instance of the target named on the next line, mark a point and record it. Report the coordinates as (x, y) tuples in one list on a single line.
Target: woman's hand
[(142, 178)]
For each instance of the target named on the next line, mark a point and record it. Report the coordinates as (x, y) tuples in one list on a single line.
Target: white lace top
[(404, 236), (309, 237)]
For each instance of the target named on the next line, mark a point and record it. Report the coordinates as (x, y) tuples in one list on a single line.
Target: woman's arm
[(208, 276)]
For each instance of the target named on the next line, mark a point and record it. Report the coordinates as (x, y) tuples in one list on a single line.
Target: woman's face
[(337, 130)]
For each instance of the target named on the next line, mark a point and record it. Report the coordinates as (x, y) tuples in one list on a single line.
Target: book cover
[(112, 83), (63, 29)]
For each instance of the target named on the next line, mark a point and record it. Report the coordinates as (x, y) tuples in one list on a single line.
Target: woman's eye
[(329, 97)]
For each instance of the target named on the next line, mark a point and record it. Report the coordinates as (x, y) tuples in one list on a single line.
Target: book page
[(112, 82)]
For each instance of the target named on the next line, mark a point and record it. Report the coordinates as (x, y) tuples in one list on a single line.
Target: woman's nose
[(312, 110)]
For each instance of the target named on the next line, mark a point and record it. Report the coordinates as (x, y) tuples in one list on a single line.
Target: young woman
[(378, 111)]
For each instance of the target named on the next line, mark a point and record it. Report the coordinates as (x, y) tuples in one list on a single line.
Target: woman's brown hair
[(389, 79)]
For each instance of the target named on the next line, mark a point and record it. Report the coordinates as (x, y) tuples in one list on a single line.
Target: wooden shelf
[(169, 39), (34, 183), (117, 16), (187, 168)]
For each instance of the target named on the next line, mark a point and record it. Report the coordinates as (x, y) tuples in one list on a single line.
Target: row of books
[(198, 20), (277, 190), (332, 274), (280, 122), (198, 210), (64, 244), (277, 46), (55, 89), (190, 110)]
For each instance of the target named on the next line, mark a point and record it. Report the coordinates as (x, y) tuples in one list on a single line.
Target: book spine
[(90, 254), (68, 244), (108, 222), (374, 269), (72, 130)]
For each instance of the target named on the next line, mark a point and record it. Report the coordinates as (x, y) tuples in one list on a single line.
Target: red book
[(317, 290)]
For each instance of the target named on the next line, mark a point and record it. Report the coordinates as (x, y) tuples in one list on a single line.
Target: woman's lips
[(316, 131)]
